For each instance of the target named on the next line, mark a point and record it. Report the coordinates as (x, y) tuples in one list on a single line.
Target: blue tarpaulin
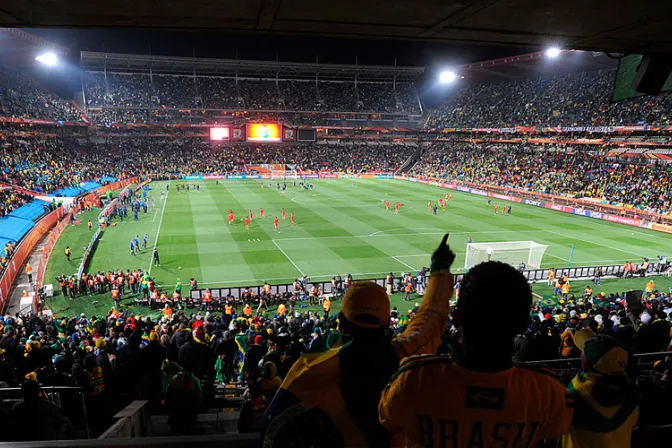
[(30, 211), (76, 191), (13, 228)]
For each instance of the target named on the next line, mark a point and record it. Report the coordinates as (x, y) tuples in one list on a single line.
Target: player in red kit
[(232, 217), (247, 224), (396, 208), (496, 207), (440, 202), (276, 223), (262, 213), (251, 215), (292, 218), (284, 214), (445, 203), (387, 206), (450, 196), (429, 206)]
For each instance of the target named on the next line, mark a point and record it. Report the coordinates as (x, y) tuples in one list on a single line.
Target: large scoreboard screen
[(264, 132), (219, 134)]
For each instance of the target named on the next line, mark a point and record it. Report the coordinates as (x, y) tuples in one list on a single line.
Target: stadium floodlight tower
[(553, 52), (509, 252), (447, 77), (48, 59)]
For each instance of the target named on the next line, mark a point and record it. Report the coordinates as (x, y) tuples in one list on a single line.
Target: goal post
[(509, 252)]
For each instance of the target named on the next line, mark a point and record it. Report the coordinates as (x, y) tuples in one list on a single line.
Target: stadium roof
[(610, 25), (535, 65), (18, 47), (168, 64)]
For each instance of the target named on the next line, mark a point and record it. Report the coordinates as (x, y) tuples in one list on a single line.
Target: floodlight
[(49, 59), (447, 77), (553, 52)]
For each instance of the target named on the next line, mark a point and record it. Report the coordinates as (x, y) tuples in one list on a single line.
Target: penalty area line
[(287, 257), (405, 264), (158, 231)]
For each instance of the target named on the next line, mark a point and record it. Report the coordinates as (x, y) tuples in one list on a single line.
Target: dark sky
[(265, 47), (434, 56)]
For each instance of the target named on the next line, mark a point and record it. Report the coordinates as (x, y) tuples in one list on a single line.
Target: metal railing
[(532, 275), (53, 394)]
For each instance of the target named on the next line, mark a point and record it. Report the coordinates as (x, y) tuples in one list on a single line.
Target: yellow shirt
[(433, 402)]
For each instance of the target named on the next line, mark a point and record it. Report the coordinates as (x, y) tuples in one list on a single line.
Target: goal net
[(284, 175), (510, 252)]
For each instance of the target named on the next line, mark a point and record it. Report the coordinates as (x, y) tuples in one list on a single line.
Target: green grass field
[(341, 227)]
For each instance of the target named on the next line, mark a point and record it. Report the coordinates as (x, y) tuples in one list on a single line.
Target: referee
[(155, 255)]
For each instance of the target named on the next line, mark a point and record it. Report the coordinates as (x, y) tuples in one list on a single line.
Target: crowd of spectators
[(45, 164), (23, 97), (11, 199), (175, 359), (575, 171), (206, 92), (569, 100)]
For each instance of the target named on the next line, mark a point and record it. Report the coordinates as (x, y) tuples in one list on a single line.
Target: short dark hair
[(496, 297)]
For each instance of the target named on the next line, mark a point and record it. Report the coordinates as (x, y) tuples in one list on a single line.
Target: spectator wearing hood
[(184, 398), (605, 400), (197, 357), (253, 356)]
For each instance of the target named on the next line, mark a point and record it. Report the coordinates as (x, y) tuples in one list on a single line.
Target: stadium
[(267, 252)]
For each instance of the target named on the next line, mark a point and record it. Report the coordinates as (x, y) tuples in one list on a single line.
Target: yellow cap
[(366, 304)]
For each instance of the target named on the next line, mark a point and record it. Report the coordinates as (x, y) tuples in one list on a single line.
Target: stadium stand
[(569, 171), (22, 97), (576, 100)]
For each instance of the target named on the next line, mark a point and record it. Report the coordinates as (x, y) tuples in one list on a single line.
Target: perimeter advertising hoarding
[(264, 132)]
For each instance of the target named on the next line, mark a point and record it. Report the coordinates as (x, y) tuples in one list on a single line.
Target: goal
[(510, 252), (284, 175)]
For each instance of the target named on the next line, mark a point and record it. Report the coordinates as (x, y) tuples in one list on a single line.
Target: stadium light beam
[(447, 76), (48, 59), (553, 52)]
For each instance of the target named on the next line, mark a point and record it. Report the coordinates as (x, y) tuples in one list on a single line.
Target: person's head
[(601, 354), (365, 309), (30, 390), (494, 305)]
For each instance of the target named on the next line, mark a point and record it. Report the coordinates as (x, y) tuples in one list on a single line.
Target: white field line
[(405, 264), (155, 212), (593, 242), (383, 235), (158, 230), (402, 228), (287, 256)]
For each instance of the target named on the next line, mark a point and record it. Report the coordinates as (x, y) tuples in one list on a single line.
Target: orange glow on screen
[(263, 133), (218, 134)]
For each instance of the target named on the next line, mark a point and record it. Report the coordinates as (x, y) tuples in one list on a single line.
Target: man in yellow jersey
[(480, 399), (329, 398), (605, 400)]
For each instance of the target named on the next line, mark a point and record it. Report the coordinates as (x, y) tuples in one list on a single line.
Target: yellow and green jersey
[(432, 401)]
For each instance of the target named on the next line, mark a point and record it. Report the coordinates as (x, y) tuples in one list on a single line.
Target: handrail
[(559, 360)]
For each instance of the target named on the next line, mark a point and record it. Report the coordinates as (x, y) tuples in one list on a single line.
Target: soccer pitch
[(342, 228)]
